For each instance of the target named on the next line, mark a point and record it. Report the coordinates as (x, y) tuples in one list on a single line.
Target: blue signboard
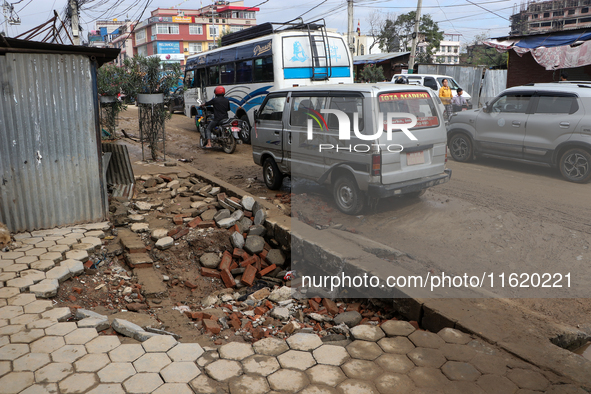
[(169, 47)]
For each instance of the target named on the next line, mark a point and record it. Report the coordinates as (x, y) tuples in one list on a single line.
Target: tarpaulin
[(553, 40)]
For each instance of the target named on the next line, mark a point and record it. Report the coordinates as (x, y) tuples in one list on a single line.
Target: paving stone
[(426, 357), (53, 373), (126, 328), (481, 347), (304, 342), (35, 275), (456, 352), (103, 344), (80, 255), (31, 362), (45, 244), (351, 386), (185, 352), (32, 251), (142, 383), (489, 364), (428, 377), (10, 311), (60, 273), (96, 242), (77, 383), (59, 314), (4, 276), (11, 329), (235, 351), (107, 389), (248, 384), (4, 340), (173, 388), (8, 292), (126, 353), (22, 299), (165, 243), (67, 241), (161, 343), (95, 233), (330, 355), (47, 288), (455, 370), (15, 382), (426, 339), (270, 346), (56, 257), (59, 249), (47, 344), (314, 389), (565, 389), (61, 329), (288, 380), (203, 385), (89, 248), (92, 362), (76, 267), (41, 323), (80, 336), (223, 370), (527, 379), (326, 374), (21, 236), (296, 359), (151, 362), (5, 367), (495, 384), (394, 383), (116, 372), (16, 268), (260, 365), (12, 255), (84, 313), (27, 336), (22, 284), (13, 351), (364, 350), (180, 372), (367, 333), (140, 227), (43, 265), (26, 260), (91, 322), (361, 369), (45, 388), (462, 387), (397, 363), (68, 353), (24, 319), (5, 263)]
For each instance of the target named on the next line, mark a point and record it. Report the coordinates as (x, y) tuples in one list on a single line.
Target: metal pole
[(75, 24), (413, 48), (5, 11), (350, 26)]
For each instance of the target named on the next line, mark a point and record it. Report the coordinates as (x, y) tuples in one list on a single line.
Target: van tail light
[(446, 155), (376, 165)]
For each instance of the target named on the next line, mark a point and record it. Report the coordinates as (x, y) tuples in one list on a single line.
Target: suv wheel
[(347, 196), (575, 165), (460, 147)]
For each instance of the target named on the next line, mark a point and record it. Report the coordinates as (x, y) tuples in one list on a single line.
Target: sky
[(490, 17)]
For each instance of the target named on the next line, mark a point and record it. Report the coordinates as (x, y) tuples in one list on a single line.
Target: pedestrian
[(445, 96), (563, 76), (221, 106), (458, 102)]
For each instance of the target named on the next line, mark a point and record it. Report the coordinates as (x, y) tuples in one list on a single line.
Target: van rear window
[(420, 104)]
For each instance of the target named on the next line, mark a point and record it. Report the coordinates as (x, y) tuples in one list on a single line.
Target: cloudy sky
[(454, 16)]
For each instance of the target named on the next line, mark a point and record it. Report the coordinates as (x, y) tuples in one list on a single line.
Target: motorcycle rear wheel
[(229, 144)]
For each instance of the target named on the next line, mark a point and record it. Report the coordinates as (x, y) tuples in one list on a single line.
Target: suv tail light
[(446, 155), (235, 123), (376, 165)]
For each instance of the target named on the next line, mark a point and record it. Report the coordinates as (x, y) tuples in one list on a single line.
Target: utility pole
[(415, 37), (350, 26), (75, 24)]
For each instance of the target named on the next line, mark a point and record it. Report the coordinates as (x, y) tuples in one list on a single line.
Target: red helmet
[(219, 91)]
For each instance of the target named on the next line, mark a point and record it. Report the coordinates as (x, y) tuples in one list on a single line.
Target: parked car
[(175, 101), (546, 123), (435, 82), (294, 134)]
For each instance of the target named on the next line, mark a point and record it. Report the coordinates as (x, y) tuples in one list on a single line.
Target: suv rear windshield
[(420, 104)]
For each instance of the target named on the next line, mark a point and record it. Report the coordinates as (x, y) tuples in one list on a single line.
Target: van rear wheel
[(273, 177), (347, 196)]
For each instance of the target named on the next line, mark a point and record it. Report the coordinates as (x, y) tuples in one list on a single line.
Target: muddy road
[(492, 216)]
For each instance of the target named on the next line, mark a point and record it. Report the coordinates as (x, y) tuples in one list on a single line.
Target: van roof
[(425, 75), (357, 87)]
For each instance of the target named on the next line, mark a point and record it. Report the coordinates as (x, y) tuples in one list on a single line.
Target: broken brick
[(178, 219), (194, 315), (228, 278), (239, 253), (221, 196), (209, 272), (248, 261), (353, 307), (193, 223), (226, 261), (259, 310), (211, 326), (166, 178), (330, 306), (77, 290), (265, 271), (313, 304), (234, 265), (248, 214), (206, 224), (181, 233), (257, 333), (249, 275), (72, 298), (174, 231), (88, 264), (190, 285)]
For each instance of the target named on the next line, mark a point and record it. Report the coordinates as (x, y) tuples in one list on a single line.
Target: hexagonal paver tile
[(31, 362), (47, 344), (494, 384), (326, 374), (43, 388), (26, 260), (60, 273), (59, 314), (151, 362), (330, 355), (25, 319), (456, 352), (38, 306), (455, 370), (180, 372), (126, 353), (116, 372), (248, 384), (41, 323), (462, 387), (10, 311), (160, 343), (426, 339), (366, 332), (77, 383), (143, 383), (103, 344), (14, 255), (394, 383), (235, 351), (92, 362), (68, 353), (361, 369), (394, 328), (288, 380), (4, 367), (270, 346), (53, 373), (451, 335), (351, 386), (27, 336), (260, 365), (56, 257), (223, 370), (527, 379), (296, 359), (364, 350), (5, 276), (203, 385), (318, 389), (107, 389), (61, 329), (398, 363), (185, 352), (173, 388), (15, 382), (304, 342), (22, 284), (74, 266), (22, 300), (42, 265), (425, 357), (15, 268), (11, 329), (13, 351), (59, 248), (8, 292), (44, 244), (428, 377), (80, 336)]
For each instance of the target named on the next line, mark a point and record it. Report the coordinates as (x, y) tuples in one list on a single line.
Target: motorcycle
[(224, 135)]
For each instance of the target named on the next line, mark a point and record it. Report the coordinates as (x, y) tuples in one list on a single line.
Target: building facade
[(546, 16), (448, 52)]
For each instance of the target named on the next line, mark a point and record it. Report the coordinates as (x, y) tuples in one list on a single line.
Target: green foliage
[(396, 35), (372, 73), (109, 80), (479, 54), (218, 41), (150, 75)]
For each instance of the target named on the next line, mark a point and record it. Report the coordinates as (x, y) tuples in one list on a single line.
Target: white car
[(434, 82)]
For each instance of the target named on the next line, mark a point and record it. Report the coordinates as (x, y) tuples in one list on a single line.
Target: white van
[(337, 135), (435, 82)]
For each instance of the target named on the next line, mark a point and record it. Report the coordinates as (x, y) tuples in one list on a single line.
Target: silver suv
[(545, 123)]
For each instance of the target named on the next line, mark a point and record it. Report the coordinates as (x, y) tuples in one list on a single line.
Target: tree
[(376, 21), (218, 41), (479, 54), (396, 35), (372, 73)]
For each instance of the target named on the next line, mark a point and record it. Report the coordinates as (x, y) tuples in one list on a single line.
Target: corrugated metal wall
[(50, 173), (495, 81), (469, 78)]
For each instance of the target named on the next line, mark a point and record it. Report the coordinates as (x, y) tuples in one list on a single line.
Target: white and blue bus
[(258, 60)]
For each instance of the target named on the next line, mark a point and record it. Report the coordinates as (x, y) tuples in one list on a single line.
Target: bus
[(255, 61)]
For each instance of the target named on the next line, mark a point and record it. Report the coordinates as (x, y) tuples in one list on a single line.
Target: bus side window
[(263, 69), (213, 75), (227, 71), (244, 71)]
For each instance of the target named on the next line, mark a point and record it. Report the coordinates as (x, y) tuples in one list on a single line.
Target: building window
[(140, 36), (546, 15), (584, 10), (546, 24), (210, 46), (362, 50), (557, 13), (165, 28), (195, 29), (214, 30), (449, 59), (142, 51), (195, 47), (571, 12), (234, 29), (455, 49), (535, 16)]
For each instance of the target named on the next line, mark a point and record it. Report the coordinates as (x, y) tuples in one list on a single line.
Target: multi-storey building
[(448, 52), (546, 16), (124, 41)]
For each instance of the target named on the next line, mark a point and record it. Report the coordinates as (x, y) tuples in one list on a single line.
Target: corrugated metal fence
[(50, 172), (495, 81), (468, 77)]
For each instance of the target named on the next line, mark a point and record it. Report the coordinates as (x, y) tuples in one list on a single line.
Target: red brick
[(211, 273), (257, 263), (221, 196), (190, 285), (234, 265), (313, 304), (259, 310), (268, 304), (178, 219), (206, 224), (353, 307), (166, 178), (226, 261), (235, 322), (257, 333), (265, 271), (267, 247), (235, 199), (249, 261), (211, 326), (238, 253), (88, 264), (72, 298), (330, 306), (414, 324), (228, 278), (248, 214), (248, 275), (174, 231), (77, 290), (193, 223)]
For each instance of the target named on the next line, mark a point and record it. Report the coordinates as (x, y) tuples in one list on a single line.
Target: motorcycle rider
[(221, 106)]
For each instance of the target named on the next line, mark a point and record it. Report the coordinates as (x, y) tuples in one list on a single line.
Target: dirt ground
[(493, 216)]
